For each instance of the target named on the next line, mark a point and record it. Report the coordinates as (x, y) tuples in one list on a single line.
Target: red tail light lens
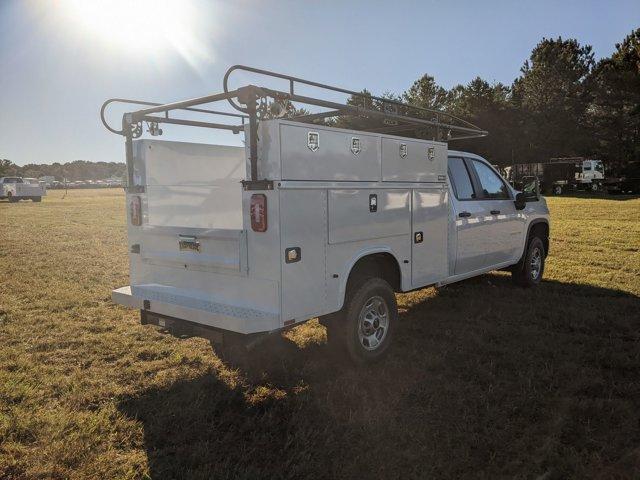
[(258, 212), (135, 210)]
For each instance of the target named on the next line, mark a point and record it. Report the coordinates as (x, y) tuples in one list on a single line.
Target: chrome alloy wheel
[(536, 263), (373, 323)]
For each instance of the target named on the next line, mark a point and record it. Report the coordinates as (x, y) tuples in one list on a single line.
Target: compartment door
[(303, 228), (429, 236)]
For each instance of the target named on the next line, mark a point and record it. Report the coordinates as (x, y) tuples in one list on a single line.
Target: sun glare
[(142, 26)]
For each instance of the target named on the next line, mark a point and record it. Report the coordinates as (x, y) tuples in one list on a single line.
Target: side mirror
[(520, 201)]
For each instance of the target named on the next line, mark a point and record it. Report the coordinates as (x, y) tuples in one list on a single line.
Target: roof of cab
[(457, 153)]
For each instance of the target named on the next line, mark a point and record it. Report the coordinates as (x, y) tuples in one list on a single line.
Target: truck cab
[(489, 229), (310, 220), (592, 173)]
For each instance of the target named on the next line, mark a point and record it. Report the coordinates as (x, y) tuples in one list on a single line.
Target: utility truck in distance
[(312, 218), (558, 175), (17, 188)]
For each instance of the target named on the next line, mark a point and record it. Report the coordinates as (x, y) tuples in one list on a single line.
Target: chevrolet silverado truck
[(307, 219)]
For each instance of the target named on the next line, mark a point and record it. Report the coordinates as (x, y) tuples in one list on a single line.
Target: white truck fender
[(359, 255)]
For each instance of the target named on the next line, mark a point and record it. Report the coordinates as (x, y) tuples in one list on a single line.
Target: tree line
[(72, 171), (563, 103)]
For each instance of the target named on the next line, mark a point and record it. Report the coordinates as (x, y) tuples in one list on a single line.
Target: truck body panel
[(337, 196)]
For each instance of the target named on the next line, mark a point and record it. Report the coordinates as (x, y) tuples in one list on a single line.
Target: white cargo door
[(192, 206), (191, 184), (303, 241)]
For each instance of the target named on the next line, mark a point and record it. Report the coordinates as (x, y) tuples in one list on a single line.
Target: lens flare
[(142, 27)]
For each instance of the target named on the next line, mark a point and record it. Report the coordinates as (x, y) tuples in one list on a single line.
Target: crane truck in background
[(558, 175)]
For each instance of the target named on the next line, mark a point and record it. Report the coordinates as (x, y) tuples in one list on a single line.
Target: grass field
[(486, 380)]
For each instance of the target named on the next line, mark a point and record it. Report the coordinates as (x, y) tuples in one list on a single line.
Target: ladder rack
[(257, 103)]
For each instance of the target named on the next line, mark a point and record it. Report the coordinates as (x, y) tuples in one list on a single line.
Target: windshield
[(12, 180)]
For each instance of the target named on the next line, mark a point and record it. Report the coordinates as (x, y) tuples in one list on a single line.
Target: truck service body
[(341, 214), (18, 188)]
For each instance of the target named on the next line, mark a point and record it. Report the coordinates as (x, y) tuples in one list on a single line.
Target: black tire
[(359, 330), (525, 274), (12, 199)]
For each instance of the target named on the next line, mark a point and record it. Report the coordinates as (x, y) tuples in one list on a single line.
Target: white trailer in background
[(17, 188), (308, 220)]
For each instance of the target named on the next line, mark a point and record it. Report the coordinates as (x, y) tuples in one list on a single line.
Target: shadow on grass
[(485, 380)]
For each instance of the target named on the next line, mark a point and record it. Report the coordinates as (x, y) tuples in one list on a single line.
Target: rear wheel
[(364, 329), (528, 272)]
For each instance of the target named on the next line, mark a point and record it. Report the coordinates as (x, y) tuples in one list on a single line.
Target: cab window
[(460, 180), (493, 188)]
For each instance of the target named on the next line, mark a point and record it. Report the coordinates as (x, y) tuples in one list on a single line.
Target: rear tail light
[(258, 212), (135, 210)]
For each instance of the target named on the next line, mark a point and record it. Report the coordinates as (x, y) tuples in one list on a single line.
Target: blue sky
[(59, 61)]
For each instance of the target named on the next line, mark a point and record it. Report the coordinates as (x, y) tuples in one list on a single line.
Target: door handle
[(464, 214), (495, 212)]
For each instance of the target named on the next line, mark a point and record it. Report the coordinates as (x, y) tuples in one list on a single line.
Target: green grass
[(485, 380)]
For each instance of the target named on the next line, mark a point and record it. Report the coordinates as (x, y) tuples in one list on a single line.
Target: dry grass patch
[(486, 380)]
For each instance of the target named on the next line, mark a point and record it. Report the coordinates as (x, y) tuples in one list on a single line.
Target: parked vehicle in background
[(558, 175), (307, 220), (17, 188), (624, 179), (48, 180)]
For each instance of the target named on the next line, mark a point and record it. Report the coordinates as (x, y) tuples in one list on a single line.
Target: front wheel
[(365, 327), (528, 273)]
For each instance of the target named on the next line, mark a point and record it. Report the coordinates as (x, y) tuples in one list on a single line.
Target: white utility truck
[(17, 188), (311, 220)]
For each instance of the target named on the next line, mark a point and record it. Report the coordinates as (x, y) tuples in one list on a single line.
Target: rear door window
[(460, 179)]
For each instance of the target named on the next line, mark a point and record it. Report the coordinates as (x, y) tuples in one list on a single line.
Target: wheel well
[(382, 265), (540, 230)]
